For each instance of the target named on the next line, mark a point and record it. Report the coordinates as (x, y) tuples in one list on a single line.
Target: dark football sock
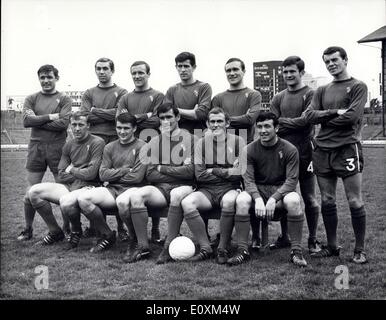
[(255, 225), (29, 213), (242, 225), (155, 222), (120, 226), (175, 218), (45, 211), (99, 222), (312, 216), (284, 227), (226, 227), (197, 227), (73, 215), (126, 218), (358, 219), (295, 228), (330, 220), (140, 217)]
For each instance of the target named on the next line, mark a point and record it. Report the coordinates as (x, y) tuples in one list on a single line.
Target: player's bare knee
[(243, 202), (292, 203), (122, 203), (355, 202), (137, 200), (188, 205), (176, 197), (34, 194), (84, 201)]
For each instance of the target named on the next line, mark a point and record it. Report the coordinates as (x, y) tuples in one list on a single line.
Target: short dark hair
[(294, 60), (77, 114), (218, 110), (138, 63), (267, 115), (126, 118), (333, 49), (48, 68), (165, 107), (236, 59), (111, 63), (186, 56)]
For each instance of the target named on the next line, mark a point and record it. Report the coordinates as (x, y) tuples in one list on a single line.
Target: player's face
[(292, 76), (334, 63), (234, 73), (125, 132), (139, 75), (217, 124), (169, 121), (103, 72), (47, 81), (79, 128), (185, 70), (266, 130)]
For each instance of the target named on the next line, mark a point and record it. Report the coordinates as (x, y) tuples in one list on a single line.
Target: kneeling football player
[(170, 173), (78, 171), (218, 180), (271, 175), (122, 172)]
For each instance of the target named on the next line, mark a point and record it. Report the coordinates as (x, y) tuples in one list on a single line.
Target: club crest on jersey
[(304, 98), (281, 154), (151, 98), (246, 94), (116, 94), (195, 93), (57, 100), (348, 89), (88, 148)]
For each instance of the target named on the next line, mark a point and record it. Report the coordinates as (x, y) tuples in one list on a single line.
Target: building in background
[(268, 80)]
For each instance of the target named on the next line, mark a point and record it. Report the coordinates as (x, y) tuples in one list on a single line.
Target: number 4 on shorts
[(310, 167)]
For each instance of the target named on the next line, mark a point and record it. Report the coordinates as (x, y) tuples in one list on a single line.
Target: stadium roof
[(377, 35)]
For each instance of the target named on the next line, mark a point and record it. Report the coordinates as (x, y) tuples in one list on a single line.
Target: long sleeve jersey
[(243, 107), (187, 97), (288, 106), (138, 104), (105, 101), (338, 130), (175, 156), (36, 110), (222, 156), (121, 164), (276, 165), (86, 157)]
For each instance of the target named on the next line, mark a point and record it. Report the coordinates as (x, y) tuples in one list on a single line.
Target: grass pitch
[(82, 275)]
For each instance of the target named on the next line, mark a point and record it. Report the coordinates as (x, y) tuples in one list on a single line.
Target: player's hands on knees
[(270, 208), (260, 208)]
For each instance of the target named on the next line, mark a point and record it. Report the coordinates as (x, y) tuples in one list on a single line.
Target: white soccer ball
[(181, 248)]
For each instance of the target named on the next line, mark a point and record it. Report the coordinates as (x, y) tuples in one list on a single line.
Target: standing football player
[(288, 106), (170, 173), (243, 106), (270, 178), (102, 101), (78, 171), (338, 107), (122, 171), (191, 97), (47, 114), (142, 103)]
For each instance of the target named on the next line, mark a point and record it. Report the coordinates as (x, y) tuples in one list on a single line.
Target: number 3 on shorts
[(310, 167), (350, 164)]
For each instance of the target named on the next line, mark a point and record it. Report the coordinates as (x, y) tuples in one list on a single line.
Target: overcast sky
[(73, 34)]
